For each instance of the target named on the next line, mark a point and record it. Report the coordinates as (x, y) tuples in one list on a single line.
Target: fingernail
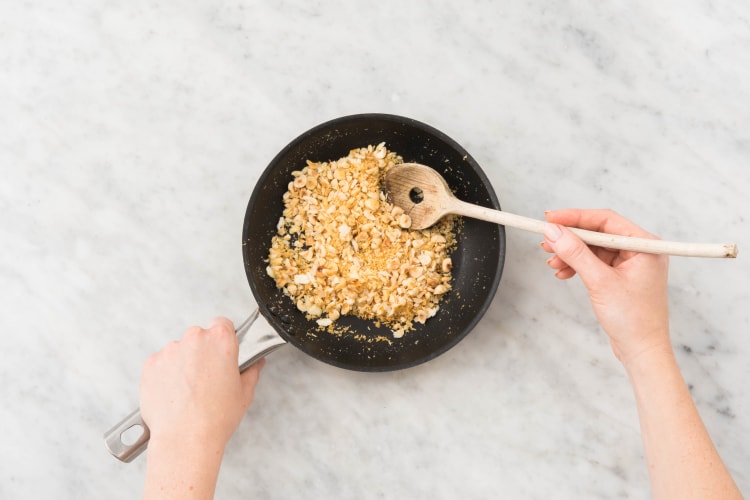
[(552, 232)]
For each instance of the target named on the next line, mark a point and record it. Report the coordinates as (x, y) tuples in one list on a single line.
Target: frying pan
[(477, 260)]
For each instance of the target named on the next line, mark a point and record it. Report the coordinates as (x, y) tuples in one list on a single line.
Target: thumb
[(575, 253), (249, 379)]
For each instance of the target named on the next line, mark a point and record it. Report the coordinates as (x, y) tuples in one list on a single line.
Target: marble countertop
[(131, 137)]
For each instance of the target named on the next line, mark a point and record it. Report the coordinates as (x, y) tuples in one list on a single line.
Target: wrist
[(634, 342), (183, 468), (187, 443), (654, 357)]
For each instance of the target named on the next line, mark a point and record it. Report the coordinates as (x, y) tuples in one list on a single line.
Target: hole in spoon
[(416, 195)]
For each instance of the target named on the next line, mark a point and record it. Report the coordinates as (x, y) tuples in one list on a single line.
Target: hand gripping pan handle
[(256, 338)]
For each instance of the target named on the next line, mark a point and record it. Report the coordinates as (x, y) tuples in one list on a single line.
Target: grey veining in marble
[(132, 134)]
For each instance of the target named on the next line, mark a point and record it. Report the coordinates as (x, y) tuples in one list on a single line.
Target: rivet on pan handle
[(256, 338)]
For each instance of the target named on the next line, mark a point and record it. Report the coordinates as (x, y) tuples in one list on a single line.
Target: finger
[(192, 332), (250, 379), (564, 274), (564, 271), (253, 372), (606, 255), (222, 334), (221, 325), (156, 358), (576, 254), (601, 220), (556, 263)]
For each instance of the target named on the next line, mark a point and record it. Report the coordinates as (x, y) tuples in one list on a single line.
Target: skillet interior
[(478, 259)]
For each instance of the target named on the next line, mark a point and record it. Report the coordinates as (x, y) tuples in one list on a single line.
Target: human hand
[(629, 293), (193, 390), (628, 290)]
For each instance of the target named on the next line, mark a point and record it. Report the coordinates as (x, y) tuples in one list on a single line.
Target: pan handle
[(256, 338)]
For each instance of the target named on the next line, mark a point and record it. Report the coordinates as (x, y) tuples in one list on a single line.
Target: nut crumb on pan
[(342, 249)]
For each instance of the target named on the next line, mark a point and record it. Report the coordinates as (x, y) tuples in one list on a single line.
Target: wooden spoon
[(426, 198)]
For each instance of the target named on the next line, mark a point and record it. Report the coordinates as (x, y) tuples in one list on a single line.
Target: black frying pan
[(477, 260)]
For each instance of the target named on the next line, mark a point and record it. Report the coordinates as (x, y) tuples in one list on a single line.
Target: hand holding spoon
[(426, 198)]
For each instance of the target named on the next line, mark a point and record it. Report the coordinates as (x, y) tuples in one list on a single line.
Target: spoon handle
[(605, 240)]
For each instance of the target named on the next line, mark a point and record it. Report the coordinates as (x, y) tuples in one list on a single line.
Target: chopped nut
[(315, 310), (425, 258), (302, 279), (341, 248), (446, 265), (372, 203), (404, 221)]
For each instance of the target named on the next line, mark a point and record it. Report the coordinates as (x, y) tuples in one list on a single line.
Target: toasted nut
[(425, 258), (372, 203), (315, 310), (341, 248), (446, 265), (302, 279)]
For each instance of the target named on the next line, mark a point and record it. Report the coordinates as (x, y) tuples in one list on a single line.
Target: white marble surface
[(132, 134)]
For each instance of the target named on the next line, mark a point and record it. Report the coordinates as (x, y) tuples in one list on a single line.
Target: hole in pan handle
[(256, 340), (121, 440)]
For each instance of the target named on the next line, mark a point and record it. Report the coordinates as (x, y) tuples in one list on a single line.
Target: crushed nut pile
[(341, 248)]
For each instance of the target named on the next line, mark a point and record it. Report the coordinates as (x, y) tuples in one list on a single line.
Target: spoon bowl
[(425, 197), (421, 192)]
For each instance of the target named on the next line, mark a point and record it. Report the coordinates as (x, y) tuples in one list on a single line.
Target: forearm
[(181, 470), (682, 460)]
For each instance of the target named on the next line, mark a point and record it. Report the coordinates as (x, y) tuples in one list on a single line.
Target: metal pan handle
[(256, 338)]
